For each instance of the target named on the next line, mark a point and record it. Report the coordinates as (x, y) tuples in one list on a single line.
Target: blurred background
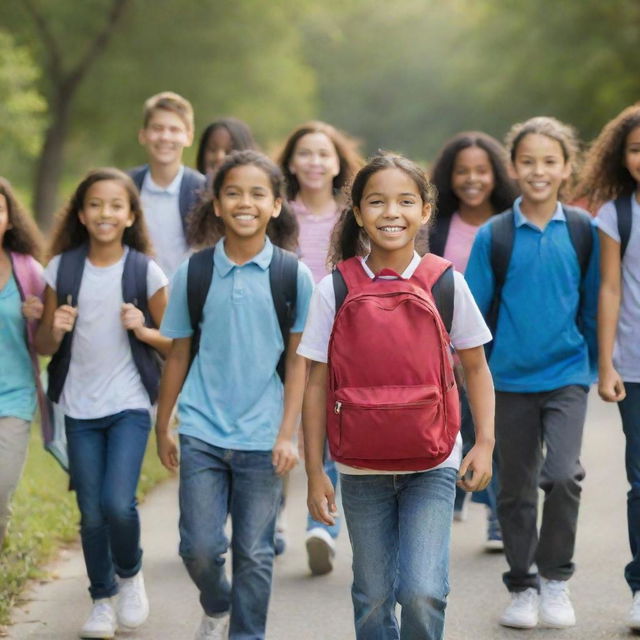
[(398, 74)]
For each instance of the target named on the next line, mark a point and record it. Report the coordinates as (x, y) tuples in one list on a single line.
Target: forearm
[(608, 312), (155, 339), (173, 377), (46, 341), (293, 395), (314, 422), (481, 394)]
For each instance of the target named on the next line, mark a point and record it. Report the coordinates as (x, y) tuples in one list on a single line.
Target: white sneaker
[(101, 622), (556, 609), (132, 608), (522, 611), (321, 549), (634, 614), (213, 627)]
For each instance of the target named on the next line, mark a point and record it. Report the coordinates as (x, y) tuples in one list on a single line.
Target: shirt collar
[(406, 274), (224, 265), (171, 189), (521, 219)]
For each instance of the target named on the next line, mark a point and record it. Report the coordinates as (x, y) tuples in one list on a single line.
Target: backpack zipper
[(337, 408)]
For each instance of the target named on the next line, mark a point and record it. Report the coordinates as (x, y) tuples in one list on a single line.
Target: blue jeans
[(214, 483), (331, 470), (400, 531), (630, 412), (105, 457)]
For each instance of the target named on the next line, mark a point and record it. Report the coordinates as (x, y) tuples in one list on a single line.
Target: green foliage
[(22, 108), (45, 517)]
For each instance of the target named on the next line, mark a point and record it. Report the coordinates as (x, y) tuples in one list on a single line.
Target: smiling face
[(540, 168), (472, 179), (106, 212), (632, 154), (314, 162), (392, 211), (165, 136), (246, 202)]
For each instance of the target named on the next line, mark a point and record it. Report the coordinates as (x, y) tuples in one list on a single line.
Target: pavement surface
[(317, 608)]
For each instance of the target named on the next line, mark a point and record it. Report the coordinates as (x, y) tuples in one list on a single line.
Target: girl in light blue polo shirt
[(612, 176), (237, 417)]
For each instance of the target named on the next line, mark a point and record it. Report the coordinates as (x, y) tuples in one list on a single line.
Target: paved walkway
[(308, 608)]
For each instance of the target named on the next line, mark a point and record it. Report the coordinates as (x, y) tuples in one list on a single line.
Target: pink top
[(459, 242), (315, 234)]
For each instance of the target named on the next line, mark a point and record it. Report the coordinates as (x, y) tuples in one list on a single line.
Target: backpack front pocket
[(390, 423)]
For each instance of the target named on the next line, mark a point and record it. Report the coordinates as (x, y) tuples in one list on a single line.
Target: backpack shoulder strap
[(283, 280), (347, 276), (443, 292), (199, 277), (69, 276), (137, 174), (502, 236), (438, 235), (134, 281), (624, 215), (579, 226)]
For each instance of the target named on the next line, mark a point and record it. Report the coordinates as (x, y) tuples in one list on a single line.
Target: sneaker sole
[(320, 556), (515, 625), (96, 636), (494, 546), (549, 624)]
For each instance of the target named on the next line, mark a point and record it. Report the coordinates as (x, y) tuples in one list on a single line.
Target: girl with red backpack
[(381, 388)]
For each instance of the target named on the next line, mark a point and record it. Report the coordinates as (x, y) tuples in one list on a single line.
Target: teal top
[(17, 385)]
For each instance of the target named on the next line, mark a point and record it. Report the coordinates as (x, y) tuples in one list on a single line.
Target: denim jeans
[(105, 457), (214, 483), (630, 412), (331, 470), (400, 531)]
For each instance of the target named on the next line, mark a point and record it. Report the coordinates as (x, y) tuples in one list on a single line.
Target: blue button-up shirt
[(538, 345), (232, 396)]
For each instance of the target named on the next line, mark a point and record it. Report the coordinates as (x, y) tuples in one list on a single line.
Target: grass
[(45, 517)]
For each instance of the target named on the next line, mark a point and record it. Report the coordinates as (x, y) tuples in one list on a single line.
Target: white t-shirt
[(626, 352), (468, 330), (103, 378), (161, 207)]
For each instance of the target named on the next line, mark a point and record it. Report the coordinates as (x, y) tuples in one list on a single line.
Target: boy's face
[(164, 137)]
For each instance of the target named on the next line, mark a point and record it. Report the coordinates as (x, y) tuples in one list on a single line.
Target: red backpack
[(392, 401)]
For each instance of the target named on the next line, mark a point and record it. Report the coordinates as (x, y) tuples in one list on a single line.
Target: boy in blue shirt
[(237, 418), (168, 189), (543, 359)]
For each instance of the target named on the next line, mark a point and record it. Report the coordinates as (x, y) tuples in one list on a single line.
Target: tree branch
[(53, 59), (98, 45)]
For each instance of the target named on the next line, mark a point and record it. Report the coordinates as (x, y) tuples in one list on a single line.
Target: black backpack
[(502, 236), (624, 215), (134, 291), (283, 278)]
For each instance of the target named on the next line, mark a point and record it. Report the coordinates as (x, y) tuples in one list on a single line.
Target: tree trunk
[(50, 163)]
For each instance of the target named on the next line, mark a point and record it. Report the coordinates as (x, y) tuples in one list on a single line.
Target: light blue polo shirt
[(538, 345), (232, 396), (17, 384)]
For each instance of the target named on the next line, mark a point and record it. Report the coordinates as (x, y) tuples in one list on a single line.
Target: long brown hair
[(346, 149), (23, 236), (205, 228), (69, 232)]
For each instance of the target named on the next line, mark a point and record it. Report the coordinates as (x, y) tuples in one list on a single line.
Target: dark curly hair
[(23, 236), (347, 238), (205, 228), (504, 190), (69, 232), (345, 146), (239, 132), (604, 175)]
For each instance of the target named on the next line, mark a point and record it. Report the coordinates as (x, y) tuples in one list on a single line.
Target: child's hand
[(284, 456), (132, 318), (64, 317), (610, 386), (32, 308), (167, 450), (476, 468), (321, 498)]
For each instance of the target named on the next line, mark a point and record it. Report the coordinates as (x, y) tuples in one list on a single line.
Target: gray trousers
[(14, 440), (539, 436)]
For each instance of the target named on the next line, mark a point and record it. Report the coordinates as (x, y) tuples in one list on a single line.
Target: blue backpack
[(624, 215), (134, 291)]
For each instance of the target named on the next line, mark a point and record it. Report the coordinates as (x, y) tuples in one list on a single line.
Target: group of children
[(384, 356)]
